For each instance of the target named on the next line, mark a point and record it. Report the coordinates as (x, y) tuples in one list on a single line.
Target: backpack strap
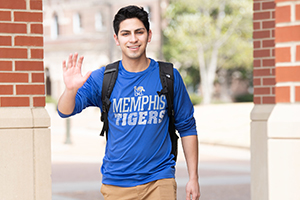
[(167, 81), (109, 80)]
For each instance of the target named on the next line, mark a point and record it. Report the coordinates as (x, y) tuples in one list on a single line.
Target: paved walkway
[(224, 170), (224, 124)]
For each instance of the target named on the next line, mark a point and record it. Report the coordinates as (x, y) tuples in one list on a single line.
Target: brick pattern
[(287, 51), (21, 54), (297, 95), (264, 51)]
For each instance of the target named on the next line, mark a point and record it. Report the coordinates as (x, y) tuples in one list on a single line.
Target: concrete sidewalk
[(224, 174), (224, 124)]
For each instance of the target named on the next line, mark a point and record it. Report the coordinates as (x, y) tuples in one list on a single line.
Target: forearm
[(190, 148), (66, 102)]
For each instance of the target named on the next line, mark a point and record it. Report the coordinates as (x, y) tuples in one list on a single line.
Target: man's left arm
[(190, 149), (186, 126)]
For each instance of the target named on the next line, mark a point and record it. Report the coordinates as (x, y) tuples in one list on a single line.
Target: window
[(77, 23), (148, 10), (99, 22), (54, 27)]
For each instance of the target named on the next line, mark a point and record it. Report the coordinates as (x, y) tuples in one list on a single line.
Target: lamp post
[(68, 134)]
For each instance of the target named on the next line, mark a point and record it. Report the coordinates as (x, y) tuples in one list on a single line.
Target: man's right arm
[(73, 80), (66, 102)]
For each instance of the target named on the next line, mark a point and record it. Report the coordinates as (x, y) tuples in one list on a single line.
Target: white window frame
[(99, 25), (77, 25), (54, 27)]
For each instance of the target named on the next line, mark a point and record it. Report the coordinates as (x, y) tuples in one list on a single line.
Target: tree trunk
[(207, 73)]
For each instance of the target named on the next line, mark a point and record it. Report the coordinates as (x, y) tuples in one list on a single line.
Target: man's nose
[(133, 38)]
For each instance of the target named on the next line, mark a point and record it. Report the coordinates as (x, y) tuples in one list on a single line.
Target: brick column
[(288, 51), (25, 156), (275, 127), (264, 51)]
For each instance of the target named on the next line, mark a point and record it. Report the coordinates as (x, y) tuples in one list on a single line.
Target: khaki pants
[(164, 189)]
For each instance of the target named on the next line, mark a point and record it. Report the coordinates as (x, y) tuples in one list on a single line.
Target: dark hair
[(129, 12)]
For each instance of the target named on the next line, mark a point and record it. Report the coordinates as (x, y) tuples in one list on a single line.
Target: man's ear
[(149, 35), (116, 40)]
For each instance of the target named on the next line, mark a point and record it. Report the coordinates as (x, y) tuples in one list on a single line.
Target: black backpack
[(167, 81)]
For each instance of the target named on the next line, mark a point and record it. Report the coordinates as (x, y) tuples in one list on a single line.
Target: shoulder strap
[(109, 80), (167, 81)]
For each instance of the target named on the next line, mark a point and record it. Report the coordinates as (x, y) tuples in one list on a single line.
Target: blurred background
[(209, 42)]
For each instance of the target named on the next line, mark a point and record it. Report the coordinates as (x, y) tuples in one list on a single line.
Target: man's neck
[(136, 65)]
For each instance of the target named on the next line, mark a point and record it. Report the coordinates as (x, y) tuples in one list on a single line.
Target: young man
[(138, 163)]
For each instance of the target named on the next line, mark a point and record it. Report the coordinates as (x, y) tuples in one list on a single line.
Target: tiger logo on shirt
[(138, 91)]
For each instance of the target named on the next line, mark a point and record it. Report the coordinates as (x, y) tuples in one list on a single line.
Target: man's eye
[(125, 34)]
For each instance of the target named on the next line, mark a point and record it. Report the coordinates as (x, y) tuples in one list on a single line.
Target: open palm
[(73, 78)]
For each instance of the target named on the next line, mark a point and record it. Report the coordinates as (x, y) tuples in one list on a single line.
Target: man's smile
[(134, 47)]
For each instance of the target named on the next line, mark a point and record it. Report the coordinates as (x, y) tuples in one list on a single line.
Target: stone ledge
[(261, 112), (284, 122), (22, 117), (41, 118)]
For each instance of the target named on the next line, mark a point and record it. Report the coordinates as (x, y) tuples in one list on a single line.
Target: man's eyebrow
[(139, 29), (124, 31)]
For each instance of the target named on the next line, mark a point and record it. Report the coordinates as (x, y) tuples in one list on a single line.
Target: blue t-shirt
[(138, 148)]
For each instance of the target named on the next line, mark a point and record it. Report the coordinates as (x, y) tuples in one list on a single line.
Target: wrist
[(70, 92), (194, 177)]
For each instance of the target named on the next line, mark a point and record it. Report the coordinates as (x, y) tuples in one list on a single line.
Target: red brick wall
[(287, 51), (276, 42), (264, 51), (21, 54)]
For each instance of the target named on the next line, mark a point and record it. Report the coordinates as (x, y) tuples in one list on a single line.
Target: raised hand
[(73, 78)]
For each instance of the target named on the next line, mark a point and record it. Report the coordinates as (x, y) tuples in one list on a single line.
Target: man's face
[(132, 38)]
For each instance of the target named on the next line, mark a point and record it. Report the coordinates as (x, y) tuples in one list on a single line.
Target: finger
[(64, 65), (195, 195), (188, 196), (80, 61), (70, 61), (75, 59)]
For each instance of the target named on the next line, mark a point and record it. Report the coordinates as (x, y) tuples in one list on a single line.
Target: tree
[(208, 35)]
